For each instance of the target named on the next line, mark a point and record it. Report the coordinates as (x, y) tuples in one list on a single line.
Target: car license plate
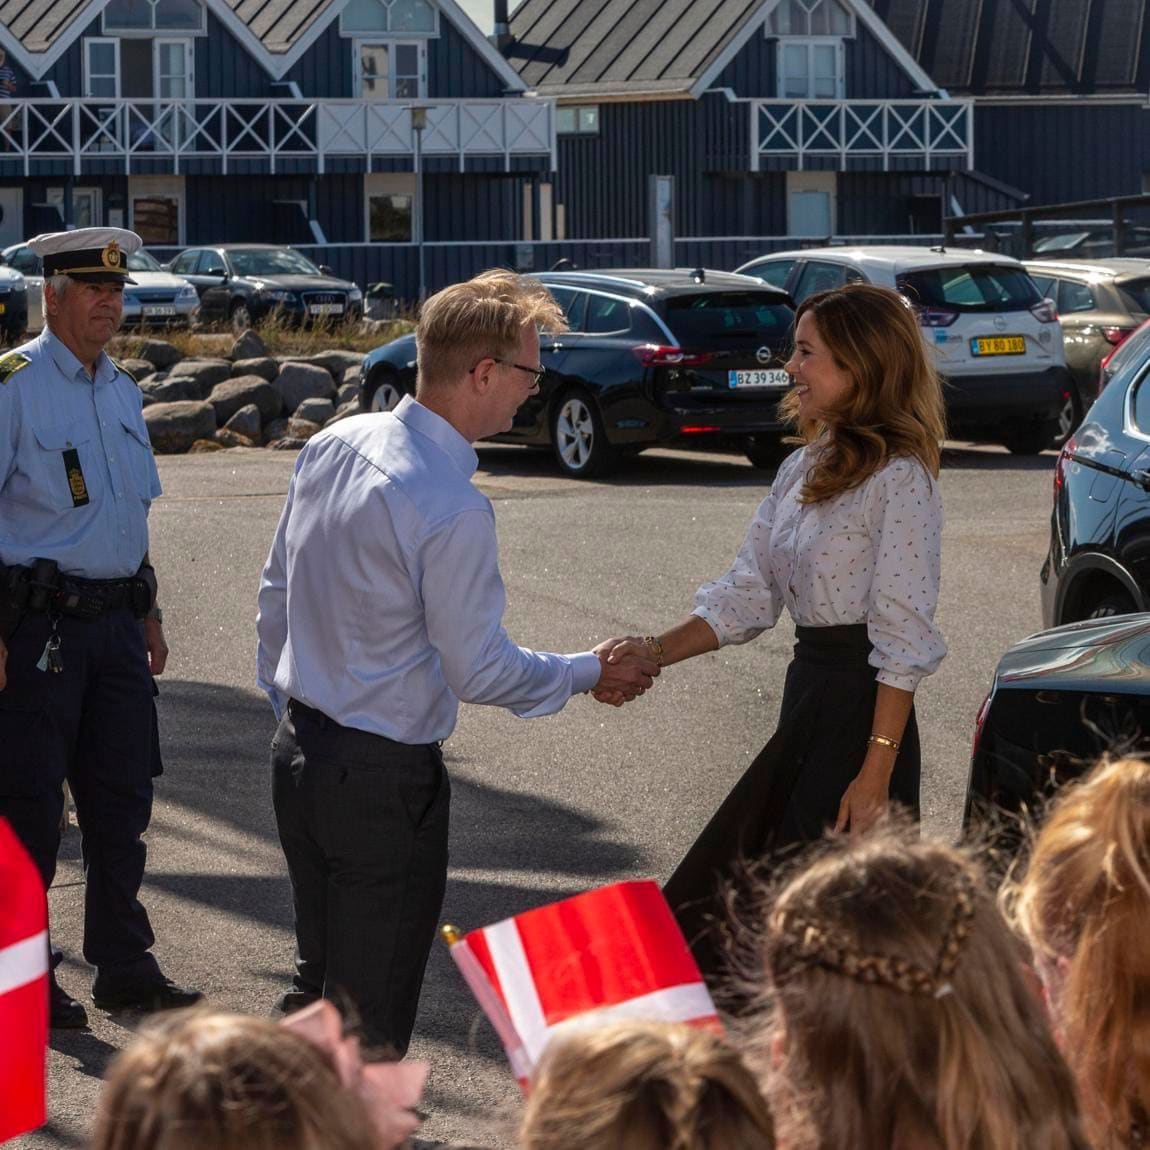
[(758, 378), (326, 308), (3, 308), (998, 345), (159, 309)]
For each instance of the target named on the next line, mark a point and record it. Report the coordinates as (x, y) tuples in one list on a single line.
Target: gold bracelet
[(883, 741), (655, 647)]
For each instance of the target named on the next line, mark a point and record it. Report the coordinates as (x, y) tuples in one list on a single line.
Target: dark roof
[(278, 24), (37, 23), (1020, 47), (571, 47)]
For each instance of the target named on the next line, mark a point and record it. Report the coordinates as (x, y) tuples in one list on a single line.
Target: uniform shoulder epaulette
[(124, 371), (10, 364)]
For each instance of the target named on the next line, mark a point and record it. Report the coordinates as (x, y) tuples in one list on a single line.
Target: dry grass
[(280, 338)]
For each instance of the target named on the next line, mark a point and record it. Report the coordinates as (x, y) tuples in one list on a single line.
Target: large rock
[(349, 393), (351, 375), (228, 397), (335, 362), (165, 388), (248, 346), (174, 427), (206, 372), (225, 437), (160, 354), (316, 410), (344, 412), (302, 428), (277, 429), (264, 366), (203, 446), (247, 421), (138, 369), (299, 381)]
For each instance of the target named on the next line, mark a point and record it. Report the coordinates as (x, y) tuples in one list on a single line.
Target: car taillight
[(936, 316), (1044, 311), (979, 724), (659, 355), (1063, 462), (702, 429), (1114, 335)]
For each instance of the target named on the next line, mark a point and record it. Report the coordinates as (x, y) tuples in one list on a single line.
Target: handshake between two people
[(629, 666)]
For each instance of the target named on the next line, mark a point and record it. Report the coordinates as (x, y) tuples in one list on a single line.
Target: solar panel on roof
[(1063, 45), (955, 25), (1118, 40), (1009, 44)]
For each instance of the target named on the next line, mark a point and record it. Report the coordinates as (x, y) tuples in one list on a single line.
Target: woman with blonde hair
[(898, 1014), (848, 541), (1083, 905), (645, 1086)]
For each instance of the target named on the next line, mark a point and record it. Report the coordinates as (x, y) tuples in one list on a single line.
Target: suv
[(651, 356), (997, 342), (1099, 304), (1099, 559), (245, 283)]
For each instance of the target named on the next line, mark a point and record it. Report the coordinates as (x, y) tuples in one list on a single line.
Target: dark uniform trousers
[(94, 724), (363, 822)]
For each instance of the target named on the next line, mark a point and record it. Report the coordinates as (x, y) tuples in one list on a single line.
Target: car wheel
[(382, 392), (1029, 439), (241, 316), (1068, 420), (766, 451), (1113, 602), (577, 437)]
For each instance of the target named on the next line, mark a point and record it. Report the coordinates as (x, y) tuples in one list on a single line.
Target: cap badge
[(111, 257)]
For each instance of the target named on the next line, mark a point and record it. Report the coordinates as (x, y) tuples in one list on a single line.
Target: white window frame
[(189, 46), (360, 42), (141, 188), (811, 43), (850, 34), (578, 130), (400, 34), (138, 33), (56, 196), (90, 40), (376, 184)]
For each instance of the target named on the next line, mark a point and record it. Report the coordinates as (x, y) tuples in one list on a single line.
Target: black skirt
[(790, 794)]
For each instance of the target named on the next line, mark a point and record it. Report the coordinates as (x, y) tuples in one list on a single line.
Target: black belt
[(297, 710), (90, 598)]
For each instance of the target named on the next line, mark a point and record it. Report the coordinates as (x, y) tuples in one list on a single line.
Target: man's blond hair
[(482, 317)]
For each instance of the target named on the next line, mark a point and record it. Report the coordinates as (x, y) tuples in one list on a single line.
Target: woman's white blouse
[(870, 555)]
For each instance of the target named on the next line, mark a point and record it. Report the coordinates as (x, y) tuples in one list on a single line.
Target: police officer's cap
[(92, 255)]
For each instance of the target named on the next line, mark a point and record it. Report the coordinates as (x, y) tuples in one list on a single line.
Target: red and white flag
[(23, 989), (609, 955)]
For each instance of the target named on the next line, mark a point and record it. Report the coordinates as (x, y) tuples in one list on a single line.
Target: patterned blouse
[(870, 555)]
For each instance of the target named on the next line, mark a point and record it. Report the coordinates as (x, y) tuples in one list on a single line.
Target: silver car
[(157, 298)]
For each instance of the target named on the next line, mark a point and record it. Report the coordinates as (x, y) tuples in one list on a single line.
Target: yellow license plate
[(998, 345), (3, 308)]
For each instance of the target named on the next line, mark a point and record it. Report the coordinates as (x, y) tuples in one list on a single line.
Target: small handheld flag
[(609, 955)]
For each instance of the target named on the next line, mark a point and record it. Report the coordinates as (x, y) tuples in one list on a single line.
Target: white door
[(11, 216), (810, 214), (173, 78)]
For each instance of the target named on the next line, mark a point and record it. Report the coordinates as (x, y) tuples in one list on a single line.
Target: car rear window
[(1137, 294), (717, 317), (970, 287)]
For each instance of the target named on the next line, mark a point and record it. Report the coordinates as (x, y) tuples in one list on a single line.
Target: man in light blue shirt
[(381, 608)]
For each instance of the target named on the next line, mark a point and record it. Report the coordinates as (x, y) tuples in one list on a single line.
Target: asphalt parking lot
[(542, 809)]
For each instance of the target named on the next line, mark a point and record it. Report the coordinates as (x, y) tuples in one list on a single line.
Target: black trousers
[(363, 822), (790, 793), (94, 724)]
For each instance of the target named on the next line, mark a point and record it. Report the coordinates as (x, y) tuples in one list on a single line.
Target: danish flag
[(609, 955), (23, 989)]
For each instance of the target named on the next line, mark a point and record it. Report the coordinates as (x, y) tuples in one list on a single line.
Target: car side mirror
[(327, 271)]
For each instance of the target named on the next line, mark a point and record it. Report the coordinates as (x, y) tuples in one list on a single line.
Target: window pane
[(840, 21), (607, 315), (795, 81), (406, 60), (565, 119), (373, 67), (1137, 294), (589, 118), (977, 287), (101, 58), (774, 273), (156, 219), (412, 16), (390, 219), (364, 16), (1046, 285), (179, 15), (818, 277), (406, 87), (1075, 297), (128, 14), (727, 318), (1142, 405), (102, 87)]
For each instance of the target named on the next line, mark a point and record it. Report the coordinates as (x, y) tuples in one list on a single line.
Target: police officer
[(80, 632)]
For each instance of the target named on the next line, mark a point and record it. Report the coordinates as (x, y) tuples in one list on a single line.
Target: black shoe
[(296, 1000), (143, 994), (64, 1012)]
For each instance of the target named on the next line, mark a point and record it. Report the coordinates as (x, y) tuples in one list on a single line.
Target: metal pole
[(419, 210)]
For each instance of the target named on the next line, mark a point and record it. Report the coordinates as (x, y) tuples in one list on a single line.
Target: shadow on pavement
[(989, 458)]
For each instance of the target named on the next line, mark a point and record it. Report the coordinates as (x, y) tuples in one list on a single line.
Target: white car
[(997, 342), (157, 298)]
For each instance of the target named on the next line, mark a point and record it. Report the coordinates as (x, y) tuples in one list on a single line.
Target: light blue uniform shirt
[(48, 410), (381, 603)]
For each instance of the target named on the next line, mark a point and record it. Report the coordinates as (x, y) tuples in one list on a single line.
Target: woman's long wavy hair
[(897, 1014), (895, 404), (1083, 904)]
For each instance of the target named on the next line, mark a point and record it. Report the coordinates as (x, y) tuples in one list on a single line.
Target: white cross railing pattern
[(129, 132), (925, 130)]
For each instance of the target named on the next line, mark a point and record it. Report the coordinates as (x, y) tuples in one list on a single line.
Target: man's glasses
[(537, 372)]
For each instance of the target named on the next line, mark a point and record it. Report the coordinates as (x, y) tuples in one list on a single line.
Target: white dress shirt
[(870, 555), (381, 602)]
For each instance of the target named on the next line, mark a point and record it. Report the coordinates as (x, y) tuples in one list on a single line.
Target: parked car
[(157, 298), (1092, 244), (1059, 700), (1129, 349), (1099, 304), (1099, 559), (651, 357), (997, 342), (13, 305), (246, 283)]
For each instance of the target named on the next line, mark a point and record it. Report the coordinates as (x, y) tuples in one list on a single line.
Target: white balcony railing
[(131, 131), (885, 129)]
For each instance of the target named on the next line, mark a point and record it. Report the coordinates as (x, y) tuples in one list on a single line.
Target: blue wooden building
[(329, 123)]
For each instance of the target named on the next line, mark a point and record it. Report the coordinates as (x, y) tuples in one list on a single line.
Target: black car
[(245, 283), (1059, 700), (1099, 559), (13, 305), (651, 357)]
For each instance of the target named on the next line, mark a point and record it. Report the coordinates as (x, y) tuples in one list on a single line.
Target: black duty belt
[(90, 598)]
